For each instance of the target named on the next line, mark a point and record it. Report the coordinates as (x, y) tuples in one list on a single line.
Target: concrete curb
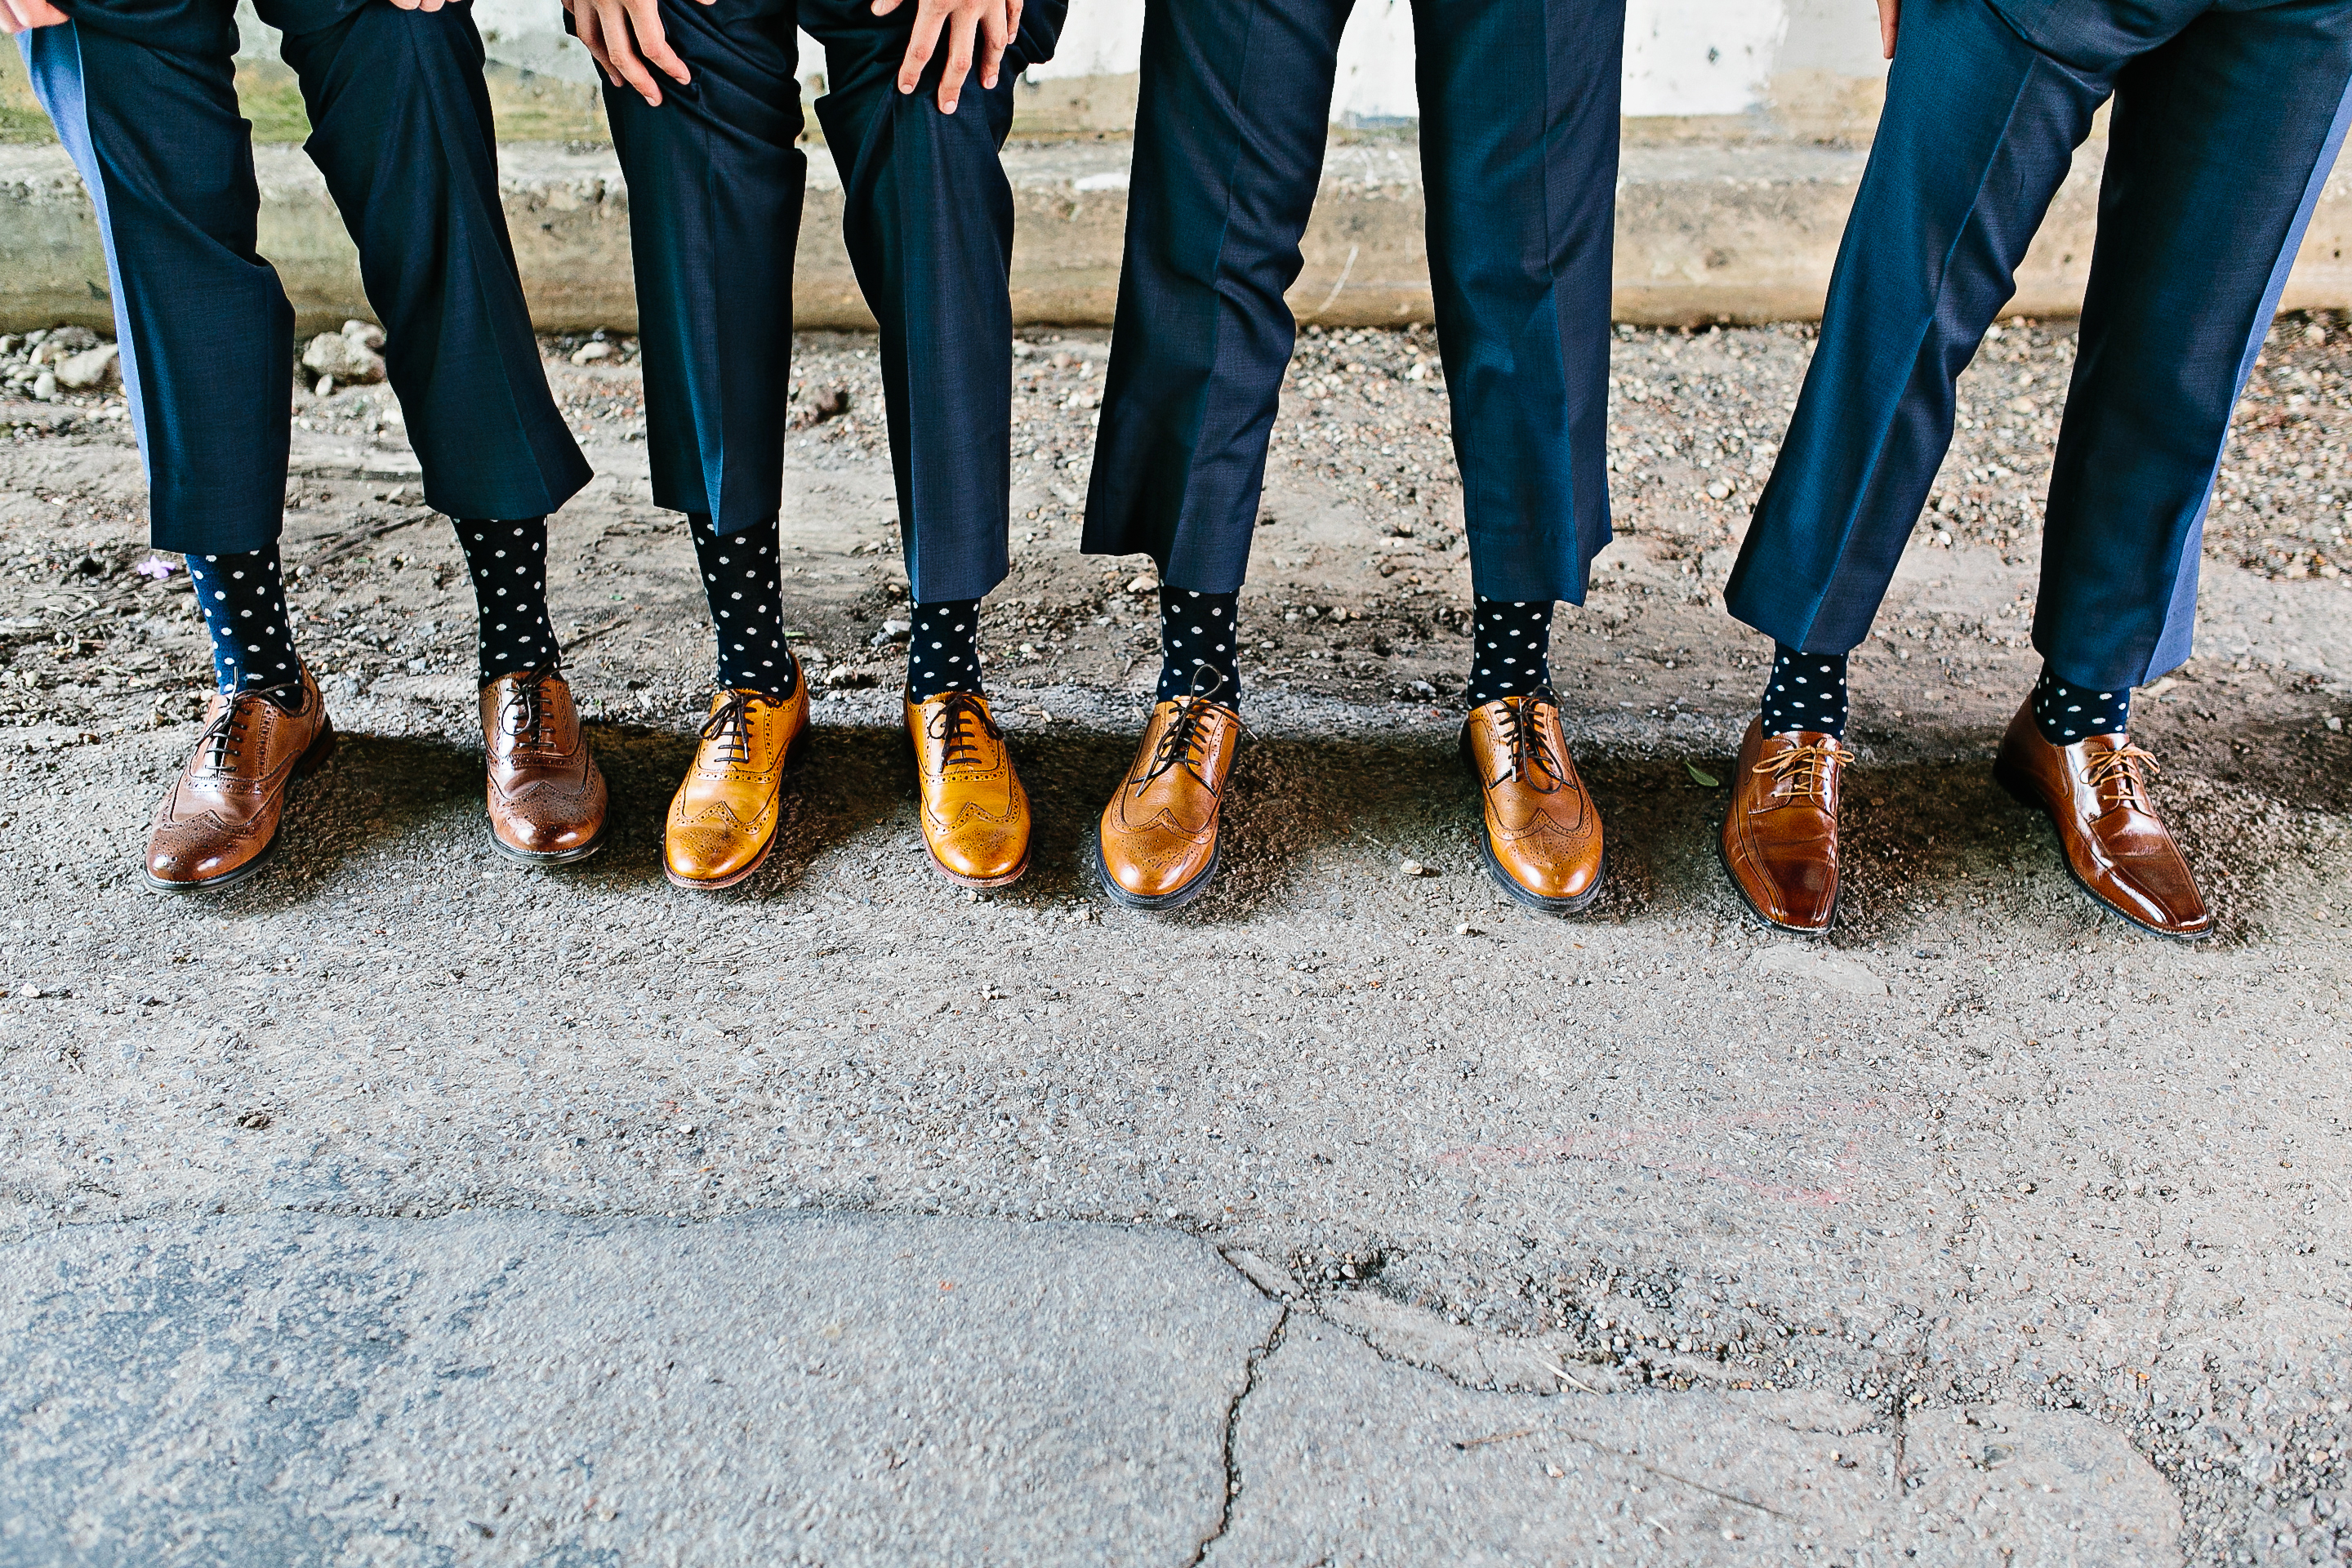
[(1728, 232)]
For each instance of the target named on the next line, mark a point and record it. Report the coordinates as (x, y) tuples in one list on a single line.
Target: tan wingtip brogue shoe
[(2118, 849), (723, 820), (975, 813), (1156, 845), (547, 800), (1779, 841), (220, 819), (1542, 837)]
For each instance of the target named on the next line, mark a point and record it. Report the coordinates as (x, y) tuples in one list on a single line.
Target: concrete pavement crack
[(1232, 1486)]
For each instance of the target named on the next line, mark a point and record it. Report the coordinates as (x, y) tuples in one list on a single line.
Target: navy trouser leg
[(715, 183), (1236, 105), (714, 191), (927, 218), (205, 331), (1979, 132), (1518, 147), (400, 126), (2220, 141)]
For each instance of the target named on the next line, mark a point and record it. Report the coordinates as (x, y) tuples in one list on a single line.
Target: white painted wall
[(1682, 57)]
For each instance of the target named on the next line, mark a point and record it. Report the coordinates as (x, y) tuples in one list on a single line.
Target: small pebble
[(1415, 868)]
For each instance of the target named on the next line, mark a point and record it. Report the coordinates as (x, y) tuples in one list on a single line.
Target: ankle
[(1806, 691), (1199, 646), (943, 649), (2067, 711), (1511, 649)]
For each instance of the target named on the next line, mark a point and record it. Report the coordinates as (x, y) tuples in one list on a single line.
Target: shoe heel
[(322, 749), (2010, 779)]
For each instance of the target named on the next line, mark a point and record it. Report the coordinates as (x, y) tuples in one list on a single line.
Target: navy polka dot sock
[(742, 575), (507, 562), (2064, 712), (1807, 691), (1200, 646), (943, 650), (1510, 648), (243, 596)]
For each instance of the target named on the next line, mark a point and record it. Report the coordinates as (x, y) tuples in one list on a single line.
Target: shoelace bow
[(952, 726), (1807, 768), (2120, 769), (731, 721), (525, 710), (1185, 742), (1531, 758)]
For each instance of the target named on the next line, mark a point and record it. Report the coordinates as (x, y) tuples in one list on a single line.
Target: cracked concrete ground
[(1987, 1230)]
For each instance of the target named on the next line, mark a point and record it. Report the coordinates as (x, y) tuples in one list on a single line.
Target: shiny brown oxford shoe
[(1156, 846), (1542, 838), (975, 813), (2096, 792), (1780, 836), (546, 796), (222, 814), (723, 819)]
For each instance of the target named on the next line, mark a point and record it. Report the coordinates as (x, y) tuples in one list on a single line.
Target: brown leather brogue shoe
[(2096, 792), (1542, 838), (1156, 846), (222, 813), (975, 813), (723, 819), (1780, 836), (546, 796)]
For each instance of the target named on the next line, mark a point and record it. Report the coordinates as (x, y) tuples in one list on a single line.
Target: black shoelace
[(524, 713), (1186, 744), (731, 721), (1531, 760), (954, 726)]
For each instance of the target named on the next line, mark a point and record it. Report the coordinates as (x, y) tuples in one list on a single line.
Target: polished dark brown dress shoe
[(1542, 837), (546, 796), (1156, 845), (222, 814), (1780, 836), (2096, 792)]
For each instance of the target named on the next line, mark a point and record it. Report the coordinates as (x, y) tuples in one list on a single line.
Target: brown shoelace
[(2119, 771), (961, 715), (1531, 758), (1808, 769), (1186, 744)]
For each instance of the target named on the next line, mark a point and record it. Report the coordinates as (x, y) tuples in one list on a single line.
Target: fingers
[(591, 33), (621, 57), (884, 7), (961, 28), (1890, 12), (996, 37), (928, 20), (644, 19), (17, 15)]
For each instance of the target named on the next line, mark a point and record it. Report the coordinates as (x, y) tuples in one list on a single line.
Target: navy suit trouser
[(1518, 145), (2227, 120), (715, 186), (143, 96)]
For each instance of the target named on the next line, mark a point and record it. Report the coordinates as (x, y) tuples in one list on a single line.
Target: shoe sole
[(2026, 795), (793, 755), (316, 757), (552, 857), (1169, 900), (982, 883), (1539, 902)]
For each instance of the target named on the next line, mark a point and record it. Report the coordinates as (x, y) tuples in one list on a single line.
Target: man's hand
[(23, 16), (1889, 13), (993, 21), (623, 36), (420, 5)]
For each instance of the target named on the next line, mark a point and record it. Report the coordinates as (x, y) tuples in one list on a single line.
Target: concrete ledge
[(1728, 232)]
